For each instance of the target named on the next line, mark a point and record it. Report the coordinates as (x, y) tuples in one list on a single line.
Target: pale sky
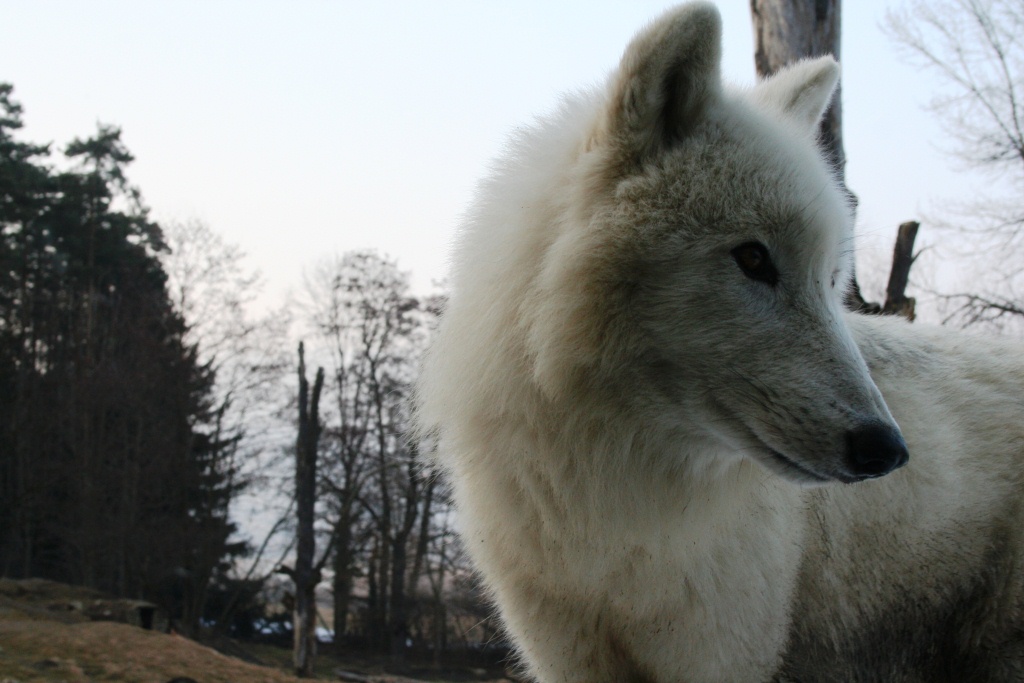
[(301, 129)]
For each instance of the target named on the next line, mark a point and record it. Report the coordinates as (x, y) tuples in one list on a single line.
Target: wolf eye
[(754, 261)]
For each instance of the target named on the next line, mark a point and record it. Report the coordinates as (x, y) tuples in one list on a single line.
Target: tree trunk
[(423, 540), (305, 576), (399, 623), (398, 627), (440, 625), (375, 625), (342, 579)]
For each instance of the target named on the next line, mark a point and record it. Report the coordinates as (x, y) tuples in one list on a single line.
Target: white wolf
[(665, 436)]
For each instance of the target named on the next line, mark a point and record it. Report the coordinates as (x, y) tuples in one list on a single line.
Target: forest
[(137, 390), (115, 472)]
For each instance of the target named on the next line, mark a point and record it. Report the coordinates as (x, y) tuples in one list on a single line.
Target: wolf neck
[(648, 483), (606, 518)]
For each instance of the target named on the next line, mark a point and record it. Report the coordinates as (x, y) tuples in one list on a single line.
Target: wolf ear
[(666, 78), (802, 90)]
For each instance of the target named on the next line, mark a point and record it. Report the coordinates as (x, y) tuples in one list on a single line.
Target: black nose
[(875, 449)]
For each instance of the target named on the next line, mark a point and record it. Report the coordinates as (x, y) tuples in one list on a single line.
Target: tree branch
[(896, 300)]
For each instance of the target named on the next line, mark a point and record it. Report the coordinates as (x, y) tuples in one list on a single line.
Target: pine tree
[(114, 474)]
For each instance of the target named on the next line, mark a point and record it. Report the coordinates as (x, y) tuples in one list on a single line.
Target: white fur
[(629, 421)]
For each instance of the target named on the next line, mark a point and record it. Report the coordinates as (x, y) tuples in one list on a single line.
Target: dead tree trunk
[(306, 577)]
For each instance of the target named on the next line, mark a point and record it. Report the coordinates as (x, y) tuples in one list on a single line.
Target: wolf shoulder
[(975, 363), (957, 395)]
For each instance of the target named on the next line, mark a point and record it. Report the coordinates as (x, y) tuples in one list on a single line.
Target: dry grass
[(44, 640), (35, 650)]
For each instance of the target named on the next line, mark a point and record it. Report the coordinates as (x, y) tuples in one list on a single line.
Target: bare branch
[(976, 49)]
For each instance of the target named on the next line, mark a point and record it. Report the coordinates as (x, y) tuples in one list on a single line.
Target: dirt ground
[(46, 637)]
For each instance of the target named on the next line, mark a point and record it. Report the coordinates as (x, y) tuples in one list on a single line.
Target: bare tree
[(976, 48), (337, 313), (377, 492), (216, 294)]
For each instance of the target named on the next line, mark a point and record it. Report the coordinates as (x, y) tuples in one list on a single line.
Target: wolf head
[(681, 250)]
